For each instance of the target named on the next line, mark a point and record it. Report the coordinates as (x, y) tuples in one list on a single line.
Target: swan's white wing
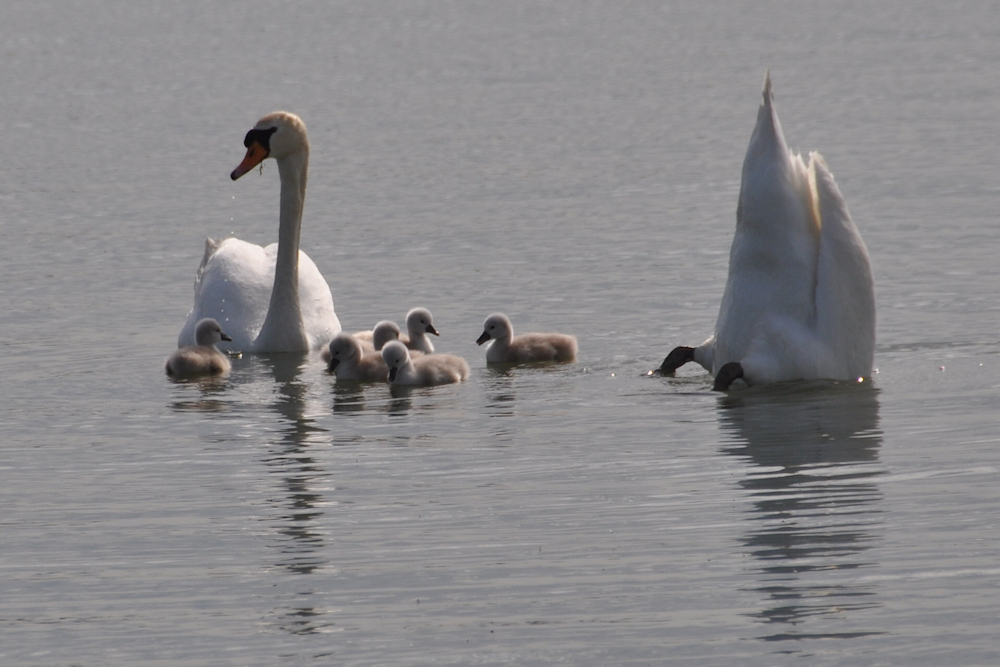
[(845, 292), (234, 287)]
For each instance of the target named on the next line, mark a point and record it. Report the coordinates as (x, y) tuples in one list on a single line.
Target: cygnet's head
[(343, 347), (496, 327), (395, 355), (419, 321), (383, 332), (276, 135), (208, 332)]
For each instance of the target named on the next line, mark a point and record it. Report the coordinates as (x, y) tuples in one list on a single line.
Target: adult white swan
[(799, 302), (271, 299)]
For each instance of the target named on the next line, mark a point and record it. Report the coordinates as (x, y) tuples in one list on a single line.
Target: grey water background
[(575, 165)]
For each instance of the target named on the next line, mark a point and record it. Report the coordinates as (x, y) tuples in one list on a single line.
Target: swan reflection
[(290, 458), (297, 511), (273, 391), (812, 454)]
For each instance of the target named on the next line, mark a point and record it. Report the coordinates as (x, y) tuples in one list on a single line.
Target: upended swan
[(348, 361), (508, 348), (270, 299), (799, 303), (202, 358), (423, 371)]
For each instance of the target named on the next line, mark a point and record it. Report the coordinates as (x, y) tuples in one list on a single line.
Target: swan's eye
[(262, 137)]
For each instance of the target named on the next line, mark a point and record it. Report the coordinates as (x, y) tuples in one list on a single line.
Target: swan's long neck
[(282, 329)]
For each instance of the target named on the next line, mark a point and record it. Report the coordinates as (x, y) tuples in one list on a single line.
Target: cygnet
[(348, 361), (202, 358), (422, 371), (418, 324), (508, 348), (383, 332), (373, 339)]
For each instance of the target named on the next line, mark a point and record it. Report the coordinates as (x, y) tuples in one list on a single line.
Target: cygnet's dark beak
[(332, 366), (431, 329), (392, 374), (482, 339), (225, 337)]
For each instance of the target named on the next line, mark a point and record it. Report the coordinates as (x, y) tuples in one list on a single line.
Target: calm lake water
[(575, 165)]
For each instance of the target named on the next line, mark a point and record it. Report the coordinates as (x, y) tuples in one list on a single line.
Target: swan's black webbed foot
[(677, 358), (726, 375)]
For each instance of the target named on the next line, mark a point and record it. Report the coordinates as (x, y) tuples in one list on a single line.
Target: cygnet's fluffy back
[(524, 348)]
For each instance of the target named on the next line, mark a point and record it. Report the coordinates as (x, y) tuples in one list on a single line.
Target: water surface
[(576, 166)]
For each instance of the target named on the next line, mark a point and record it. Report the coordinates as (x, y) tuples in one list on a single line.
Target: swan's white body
[(524, 348), (202, 358), (423, 371), (269, 299), (799, 302), (348, 361)]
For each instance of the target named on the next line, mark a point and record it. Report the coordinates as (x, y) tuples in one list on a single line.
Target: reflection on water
[(302, 481), (812, 451), (499, 386), (501, 404), (348, 397), (400, 401), (272, 387), (200, 394), (290, 458)]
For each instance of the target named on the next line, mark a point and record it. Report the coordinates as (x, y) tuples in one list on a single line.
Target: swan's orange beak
[(255, 155)]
